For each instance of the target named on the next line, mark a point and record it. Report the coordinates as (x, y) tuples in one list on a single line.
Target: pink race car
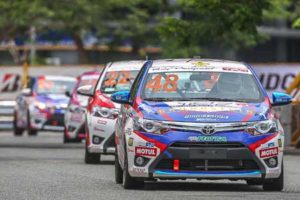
[(75, 115)]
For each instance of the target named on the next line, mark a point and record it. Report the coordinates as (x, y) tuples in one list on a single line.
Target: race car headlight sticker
[(40, 105), (149, 126), (263, 127), (105, 112)]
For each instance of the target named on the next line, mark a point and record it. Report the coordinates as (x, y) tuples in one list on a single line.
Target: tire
[(275, 184), (254, 182), (17, 131), (118, 170), (128, 181), (30, 131), (91, 158)]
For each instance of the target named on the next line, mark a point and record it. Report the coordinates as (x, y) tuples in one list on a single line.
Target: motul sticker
[(145, 151), (264, 153)]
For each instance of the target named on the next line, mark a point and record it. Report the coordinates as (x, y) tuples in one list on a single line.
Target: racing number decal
[(170, 84), (44, 84), (114, 75)]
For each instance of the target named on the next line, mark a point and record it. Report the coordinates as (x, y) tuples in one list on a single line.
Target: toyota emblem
[(208, 130)]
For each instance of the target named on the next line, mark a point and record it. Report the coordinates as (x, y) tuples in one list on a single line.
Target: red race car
[(75, 115)]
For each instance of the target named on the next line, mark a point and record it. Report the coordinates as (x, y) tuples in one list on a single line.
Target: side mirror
[(26, 92), (68, 93), (280, 99), (86, 90), (121, 97)]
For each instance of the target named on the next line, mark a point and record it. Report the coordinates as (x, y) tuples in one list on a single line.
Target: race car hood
[(53, 98), (204, 111)]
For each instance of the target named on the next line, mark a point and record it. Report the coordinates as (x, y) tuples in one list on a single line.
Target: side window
[(137, 82), (98, 84)]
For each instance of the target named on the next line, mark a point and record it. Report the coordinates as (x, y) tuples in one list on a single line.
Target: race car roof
[(198, 65), (126, 65)]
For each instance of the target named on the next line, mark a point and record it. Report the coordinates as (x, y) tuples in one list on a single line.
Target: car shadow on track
[(203, 186)]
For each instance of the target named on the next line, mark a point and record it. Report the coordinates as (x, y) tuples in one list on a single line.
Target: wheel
[(17, 131), (275, 184), (118, 170), (254, 182), (30, 131), (128, 181), (91, 158)]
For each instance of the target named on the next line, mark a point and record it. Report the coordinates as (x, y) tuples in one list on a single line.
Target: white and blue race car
[(199, 119)]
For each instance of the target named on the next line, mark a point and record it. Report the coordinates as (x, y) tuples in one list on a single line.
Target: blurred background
[(69, 37)]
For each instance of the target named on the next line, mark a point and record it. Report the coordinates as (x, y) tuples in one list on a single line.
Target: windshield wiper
[(162, 99)]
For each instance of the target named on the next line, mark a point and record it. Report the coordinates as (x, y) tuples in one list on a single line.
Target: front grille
[(209, 165), (208, 144)]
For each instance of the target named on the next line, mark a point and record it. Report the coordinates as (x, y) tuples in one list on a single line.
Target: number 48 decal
[(170, 84)]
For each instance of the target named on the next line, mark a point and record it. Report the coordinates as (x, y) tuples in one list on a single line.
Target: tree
[(74, 17), (134, 21), (224, 24), (16, 19)]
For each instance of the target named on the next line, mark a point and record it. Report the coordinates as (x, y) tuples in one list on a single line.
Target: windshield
[(115, 81), (88, 80), (54, 86), (199, 85)]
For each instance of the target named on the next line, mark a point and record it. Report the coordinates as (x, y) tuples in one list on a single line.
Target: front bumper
[(233, 159), (101, 135), (51, 121), (217, 175)]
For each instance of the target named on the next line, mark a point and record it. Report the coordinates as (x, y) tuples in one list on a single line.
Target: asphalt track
[(43, 167)]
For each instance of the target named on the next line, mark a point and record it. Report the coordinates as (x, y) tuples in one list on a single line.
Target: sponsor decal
[(130, 141), (161, 111), (150, 144), (145, 151), (145, 108), (271, 144), (10, 82), (138, 170), (270, 152), (235, 69), (206, 117), (208, 138), (128, 131), (280, 143), (98, 129), (200, 64), (102, 122), (207, 109)]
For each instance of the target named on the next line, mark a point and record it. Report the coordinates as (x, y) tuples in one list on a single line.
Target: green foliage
[(183, 29), (18, 16), (227, 24)]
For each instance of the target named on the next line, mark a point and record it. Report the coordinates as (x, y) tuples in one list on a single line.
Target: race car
[(75, 115), (198, 119), (42, 105), (102, 112)]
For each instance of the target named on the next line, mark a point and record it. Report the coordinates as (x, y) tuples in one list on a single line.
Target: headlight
[(263, 127), (149, 126), (110, 113), (40, 105)]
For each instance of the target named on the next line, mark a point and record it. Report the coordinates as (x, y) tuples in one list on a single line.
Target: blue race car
[(42, 105), (199, 119)]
